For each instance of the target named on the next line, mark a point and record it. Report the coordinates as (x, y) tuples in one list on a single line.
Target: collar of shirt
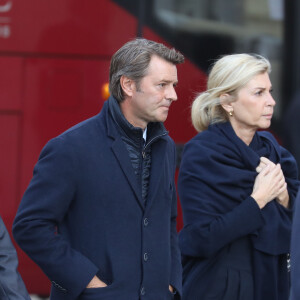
[(145, 135)]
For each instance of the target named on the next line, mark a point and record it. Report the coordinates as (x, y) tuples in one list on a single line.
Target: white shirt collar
[(145, 134)]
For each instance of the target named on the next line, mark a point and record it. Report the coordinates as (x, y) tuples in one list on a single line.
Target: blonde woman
[(236, 187)]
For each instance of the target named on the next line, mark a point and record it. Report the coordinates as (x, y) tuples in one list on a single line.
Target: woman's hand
[(269, 183), (263, 163), (282, 198)]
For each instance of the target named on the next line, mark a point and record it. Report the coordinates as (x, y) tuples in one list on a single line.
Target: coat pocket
[(171, 296), (105, 293)]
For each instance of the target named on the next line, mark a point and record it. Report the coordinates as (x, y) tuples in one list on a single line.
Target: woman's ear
[(225, 101), (128, 85)]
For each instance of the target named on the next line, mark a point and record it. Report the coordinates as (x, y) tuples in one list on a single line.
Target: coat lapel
[(158, 153), (122, 156)]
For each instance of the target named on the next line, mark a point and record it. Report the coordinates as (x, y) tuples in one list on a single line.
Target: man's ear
[(226, 103), (128, 85)]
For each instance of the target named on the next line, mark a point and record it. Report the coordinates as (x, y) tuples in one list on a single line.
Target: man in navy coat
[(11, 283), (99, 215)]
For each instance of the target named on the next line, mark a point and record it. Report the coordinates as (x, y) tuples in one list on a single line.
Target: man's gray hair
[(132, 60)]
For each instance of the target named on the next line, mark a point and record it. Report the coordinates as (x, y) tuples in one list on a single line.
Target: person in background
[(295, 252), (237, 187), (99, 216), (291, 127), (11, 284)]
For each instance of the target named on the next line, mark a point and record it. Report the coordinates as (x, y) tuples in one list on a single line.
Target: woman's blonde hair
[(227, 76)]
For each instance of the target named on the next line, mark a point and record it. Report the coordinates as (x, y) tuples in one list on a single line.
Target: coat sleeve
[(11, 283), (176, 267), (208, 224), (44, 206)]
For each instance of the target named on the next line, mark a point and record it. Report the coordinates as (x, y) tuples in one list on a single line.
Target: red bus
[(54, 60)]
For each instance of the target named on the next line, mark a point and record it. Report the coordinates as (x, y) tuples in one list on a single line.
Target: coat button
[(146, 222), (146, 256), (143, 291)]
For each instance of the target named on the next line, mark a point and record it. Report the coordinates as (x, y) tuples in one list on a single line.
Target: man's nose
[(171, 94)]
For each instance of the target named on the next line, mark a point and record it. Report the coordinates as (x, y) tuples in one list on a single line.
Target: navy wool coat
[(224, 229), (83, 215)]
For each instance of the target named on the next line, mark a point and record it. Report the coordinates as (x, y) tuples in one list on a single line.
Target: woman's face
[(253, 108)]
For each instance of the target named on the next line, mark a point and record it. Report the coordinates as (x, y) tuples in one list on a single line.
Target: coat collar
[(157, 135), (154, 129), (133, 133)]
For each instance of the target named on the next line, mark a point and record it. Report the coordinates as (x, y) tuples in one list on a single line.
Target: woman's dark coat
[(215, 182)]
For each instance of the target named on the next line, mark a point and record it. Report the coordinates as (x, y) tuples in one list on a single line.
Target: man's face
[(151, 99)]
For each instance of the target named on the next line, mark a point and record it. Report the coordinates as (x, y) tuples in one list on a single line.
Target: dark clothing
[(291, 128), (11, 283), (234, 273), (295, 252), (215, 182), (139, 151), (84, 187)]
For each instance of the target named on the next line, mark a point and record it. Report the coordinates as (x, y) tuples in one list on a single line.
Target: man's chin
[(162, 120)]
